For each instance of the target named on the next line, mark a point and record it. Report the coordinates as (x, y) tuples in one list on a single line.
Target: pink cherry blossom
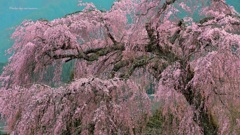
[(193, 64)]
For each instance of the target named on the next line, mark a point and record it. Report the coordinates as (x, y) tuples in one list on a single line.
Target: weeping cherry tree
[(193, 60)]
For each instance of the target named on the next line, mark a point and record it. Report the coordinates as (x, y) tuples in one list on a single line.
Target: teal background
[(47, 9)]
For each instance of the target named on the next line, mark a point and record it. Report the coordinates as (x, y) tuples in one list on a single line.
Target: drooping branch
[(110, 35), (164, 7)]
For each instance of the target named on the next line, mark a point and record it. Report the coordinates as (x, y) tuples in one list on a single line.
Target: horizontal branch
[(90, 54)]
